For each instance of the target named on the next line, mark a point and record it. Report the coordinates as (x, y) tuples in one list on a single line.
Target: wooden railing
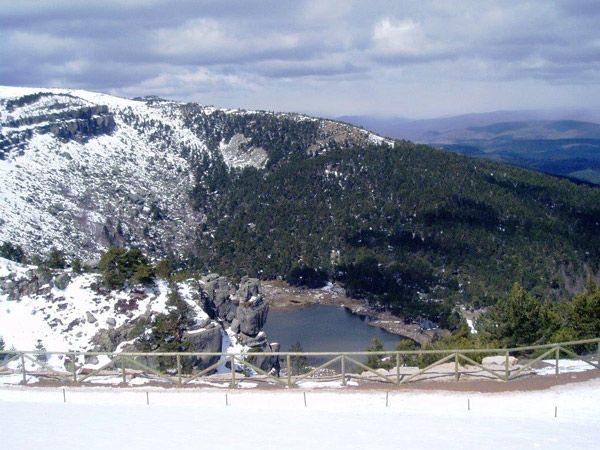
[(126, 365)]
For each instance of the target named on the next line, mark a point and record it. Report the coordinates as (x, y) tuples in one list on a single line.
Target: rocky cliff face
[(82, 171), (62, 311), (243, 310)]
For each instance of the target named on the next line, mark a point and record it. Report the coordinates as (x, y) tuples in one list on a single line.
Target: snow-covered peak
[(81, 171)]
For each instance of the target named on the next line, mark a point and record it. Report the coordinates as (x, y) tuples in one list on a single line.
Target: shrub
[(299, 363), (56, 259), (12, 252), (163, 269), (76, 266), (376, 361), (42, 356), (119, 265), (407, 345)]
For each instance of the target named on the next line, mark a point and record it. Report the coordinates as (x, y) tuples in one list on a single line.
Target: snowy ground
[(100, 418)]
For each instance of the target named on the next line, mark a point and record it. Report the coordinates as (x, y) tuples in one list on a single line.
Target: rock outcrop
[(205, 340), (244, 310)]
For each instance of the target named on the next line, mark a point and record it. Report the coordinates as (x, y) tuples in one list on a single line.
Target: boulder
[(252, 315), (267, 363), (107, 340), (111, 322), (42, 276), (91, 359), (90, 317), (218, 297), (235, 326), (204, 340), (499, 361), (249, 287), (260, 340)]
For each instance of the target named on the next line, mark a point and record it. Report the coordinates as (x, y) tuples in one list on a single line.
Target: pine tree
[(39, 347), (56, 259), (374, 361), (299, 363), (76, 266), (12, 252)]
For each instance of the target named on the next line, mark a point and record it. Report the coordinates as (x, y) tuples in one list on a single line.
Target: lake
[(323, 328)]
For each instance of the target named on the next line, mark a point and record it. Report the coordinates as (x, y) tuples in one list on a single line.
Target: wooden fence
[(341, 366)]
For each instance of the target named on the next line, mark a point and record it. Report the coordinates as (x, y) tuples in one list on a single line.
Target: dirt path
[(527, 383)]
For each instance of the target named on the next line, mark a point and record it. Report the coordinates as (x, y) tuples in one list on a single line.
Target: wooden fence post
[(556, 357), (123, 370), (23, 368), (232, 362), (506, 364), (179, 368), (343, 370), (397, 368), (288, 364), (74, 363), (456, 374)]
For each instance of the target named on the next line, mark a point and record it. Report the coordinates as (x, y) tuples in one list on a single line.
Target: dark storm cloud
[(285, 51)]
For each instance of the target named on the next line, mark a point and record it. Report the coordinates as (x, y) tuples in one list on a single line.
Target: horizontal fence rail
[(289, 369)]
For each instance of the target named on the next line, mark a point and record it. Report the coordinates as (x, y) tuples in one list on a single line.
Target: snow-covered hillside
[(81, 171), (59, 311)]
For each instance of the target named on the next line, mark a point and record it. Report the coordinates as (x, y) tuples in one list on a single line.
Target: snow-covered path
[(100, 418)]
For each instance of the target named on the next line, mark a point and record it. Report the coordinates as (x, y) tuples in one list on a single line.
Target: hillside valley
[(405, 227)]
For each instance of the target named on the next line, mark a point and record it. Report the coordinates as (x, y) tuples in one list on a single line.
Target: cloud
[(306, 54), (207, 41), (403, 37), (178, 83), (39, 44)]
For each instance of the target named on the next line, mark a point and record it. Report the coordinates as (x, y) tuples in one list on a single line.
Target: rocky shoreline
[(283, 296)]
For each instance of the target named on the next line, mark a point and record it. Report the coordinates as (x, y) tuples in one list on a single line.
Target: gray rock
[(235, 326), (204, 340), (218, 298), (62, 281), (260, 340), (107, 340), (90, 317), (499, 361), (111, 321), (249, 287), (90, 359), (252, 315), (210, 277), (153, 362), (42, 276), (265, 362)]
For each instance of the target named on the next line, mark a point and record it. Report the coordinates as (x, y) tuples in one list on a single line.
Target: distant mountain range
[(537, 140)]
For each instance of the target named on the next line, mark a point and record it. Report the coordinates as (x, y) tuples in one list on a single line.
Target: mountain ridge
[(82, 171), (280, 195)]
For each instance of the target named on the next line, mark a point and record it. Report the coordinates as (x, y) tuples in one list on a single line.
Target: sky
[(414, 59)]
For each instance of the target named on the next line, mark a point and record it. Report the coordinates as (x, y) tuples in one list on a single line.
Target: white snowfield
[(100, 418)]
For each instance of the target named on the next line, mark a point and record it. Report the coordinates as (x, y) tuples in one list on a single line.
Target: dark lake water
[(322, 328)]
